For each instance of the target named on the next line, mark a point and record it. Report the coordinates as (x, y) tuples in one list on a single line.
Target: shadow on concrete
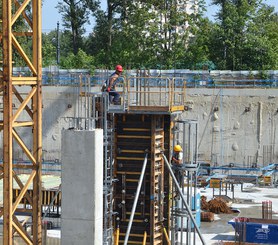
[(224, 237)]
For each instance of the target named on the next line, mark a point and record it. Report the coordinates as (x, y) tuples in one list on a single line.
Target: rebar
[(267, 209)]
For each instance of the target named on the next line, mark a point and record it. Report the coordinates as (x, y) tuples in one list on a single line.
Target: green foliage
[(152, 33), (79, 61), (244, 36), (75, 14), (49, 49)]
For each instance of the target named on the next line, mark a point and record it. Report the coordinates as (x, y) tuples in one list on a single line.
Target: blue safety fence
[(193, 79), (48, 167), (161, 82)]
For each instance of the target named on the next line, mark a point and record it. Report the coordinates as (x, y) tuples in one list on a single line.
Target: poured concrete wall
[(227, 133), (236, 125), (82, 187)]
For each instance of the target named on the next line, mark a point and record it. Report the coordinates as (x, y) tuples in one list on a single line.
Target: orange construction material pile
[(216, 205), (207, 216), (204, 203)]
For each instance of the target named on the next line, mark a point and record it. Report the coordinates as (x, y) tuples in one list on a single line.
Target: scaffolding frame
[(185, 134)]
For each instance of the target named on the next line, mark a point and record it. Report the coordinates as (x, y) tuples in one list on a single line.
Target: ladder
[(105, 121)]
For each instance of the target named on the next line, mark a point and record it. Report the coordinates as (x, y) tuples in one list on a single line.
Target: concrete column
[(82, 187)]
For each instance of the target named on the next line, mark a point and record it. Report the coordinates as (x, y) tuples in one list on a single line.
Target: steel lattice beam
[(22, 116)]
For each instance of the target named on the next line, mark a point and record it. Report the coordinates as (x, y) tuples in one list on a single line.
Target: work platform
[(159, 110), (146, 95)]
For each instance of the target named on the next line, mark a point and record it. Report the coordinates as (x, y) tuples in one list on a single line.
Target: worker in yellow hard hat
[(177, 160), (177, 155)]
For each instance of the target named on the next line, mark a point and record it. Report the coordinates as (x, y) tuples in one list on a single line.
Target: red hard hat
[(119, 68)]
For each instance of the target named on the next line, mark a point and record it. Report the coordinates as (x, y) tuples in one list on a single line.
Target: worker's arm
[(112, 81), (177, 160)]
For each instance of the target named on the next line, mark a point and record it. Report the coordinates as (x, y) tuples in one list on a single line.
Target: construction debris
[(207, 216), (204, 203), (216, 205)]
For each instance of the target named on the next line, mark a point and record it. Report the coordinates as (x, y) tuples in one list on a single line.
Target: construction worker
[(177, 161), (177, 156), (114, 96)]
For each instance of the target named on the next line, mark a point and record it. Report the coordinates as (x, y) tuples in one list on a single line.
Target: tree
[(75, 14), (49, 49), (198, 51), (143, 33), (237, 35), (79, 61), (262, 41)]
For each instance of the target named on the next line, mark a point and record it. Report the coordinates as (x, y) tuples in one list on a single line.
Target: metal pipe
[(52, 201), (136, 199), (166, 236), (183, 199), (145, 238), (117, 235)]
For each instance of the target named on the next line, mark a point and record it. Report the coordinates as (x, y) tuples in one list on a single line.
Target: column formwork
[(138, 136)]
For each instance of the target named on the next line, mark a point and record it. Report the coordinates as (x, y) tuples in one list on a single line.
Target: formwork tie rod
[(183, 199)]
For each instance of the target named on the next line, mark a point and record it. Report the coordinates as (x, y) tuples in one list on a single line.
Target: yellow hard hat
[(177, 148)]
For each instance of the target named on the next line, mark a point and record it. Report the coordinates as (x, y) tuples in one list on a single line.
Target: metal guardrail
[(195, 78), (208, 82), (153, 91)]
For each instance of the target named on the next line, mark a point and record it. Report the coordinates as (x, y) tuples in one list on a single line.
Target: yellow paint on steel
[(137, 213), (137, 129), (124, 172), (145, 238), (131, 242), (23, 124), (20, 230), (37, 134), (32, 80), (133, 137), (136, 220), (19, 11), (24, 147), (24, 103), (133, 151), (132, 234), (21, 185), (132, 180), (177, 108), (23, 55), (166, 236), (131, 158), (20, 99), (158, 136), (117, 235), (7, 124), (11, 45), (23, 191)]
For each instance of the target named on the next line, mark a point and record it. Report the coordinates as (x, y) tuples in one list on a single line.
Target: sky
[(50, 15)]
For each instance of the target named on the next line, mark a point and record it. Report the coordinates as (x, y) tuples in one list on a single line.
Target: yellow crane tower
[(22, 117)]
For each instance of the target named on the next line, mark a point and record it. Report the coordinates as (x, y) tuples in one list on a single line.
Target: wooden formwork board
[(47, 197), (135, 135)]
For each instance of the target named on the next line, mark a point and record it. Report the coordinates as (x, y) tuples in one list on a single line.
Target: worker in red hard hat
[(114, 96)]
